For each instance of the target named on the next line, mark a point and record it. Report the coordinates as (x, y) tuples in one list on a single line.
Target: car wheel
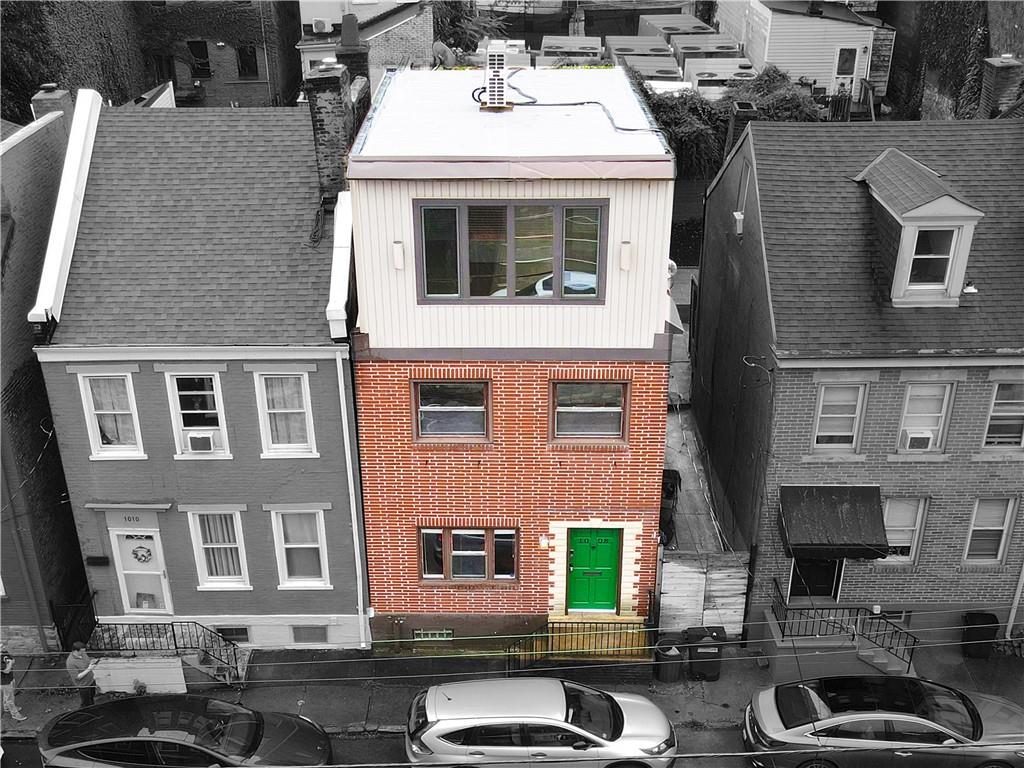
[(628, 765), (818, 763), (993, 765)]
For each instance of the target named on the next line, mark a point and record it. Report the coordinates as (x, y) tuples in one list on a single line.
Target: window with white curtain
[(219, 549), (111, 416), (286, 418), (301, 549)]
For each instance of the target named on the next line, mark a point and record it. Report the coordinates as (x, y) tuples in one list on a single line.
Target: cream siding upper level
[(806, 47)]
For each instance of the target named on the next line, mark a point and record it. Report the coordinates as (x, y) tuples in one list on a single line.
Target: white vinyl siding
[(634, 309), (806, 47)]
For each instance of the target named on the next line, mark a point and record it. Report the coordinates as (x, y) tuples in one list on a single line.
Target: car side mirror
[(581, 745), (949, 742)]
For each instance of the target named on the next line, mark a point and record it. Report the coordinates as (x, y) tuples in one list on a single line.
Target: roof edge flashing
[(68, 209)]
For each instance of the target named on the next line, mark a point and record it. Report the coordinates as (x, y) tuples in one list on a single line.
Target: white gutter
[(1015, 605), (341, 267), (68, 209), (922, 361), (357, 552)]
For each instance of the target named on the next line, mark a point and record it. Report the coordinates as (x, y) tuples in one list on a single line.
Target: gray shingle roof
[(903, 183), (820, 237), (7, 128), (193, 231)]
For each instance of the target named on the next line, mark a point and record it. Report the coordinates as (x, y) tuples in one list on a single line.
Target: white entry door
[(845, 71), (141, 572)]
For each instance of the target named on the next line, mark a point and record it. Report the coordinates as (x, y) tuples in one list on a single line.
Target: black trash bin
[(980, 630), (705, 651), (668, 660)]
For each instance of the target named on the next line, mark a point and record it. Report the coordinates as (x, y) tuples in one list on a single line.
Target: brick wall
[(516, 480), (246, 479), (225, 87), (408, 42), (951, 485)]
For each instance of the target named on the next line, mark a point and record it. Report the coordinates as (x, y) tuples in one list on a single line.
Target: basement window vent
[(234, 634), (309, 634), (433, 634)]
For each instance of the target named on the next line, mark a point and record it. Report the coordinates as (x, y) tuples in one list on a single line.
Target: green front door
[(593, 569)]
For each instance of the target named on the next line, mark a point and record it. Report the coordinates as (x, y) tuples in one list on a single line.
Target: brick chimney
[(1000, 79), (330, 105), (350, 50), (50, 99), (742, 113)]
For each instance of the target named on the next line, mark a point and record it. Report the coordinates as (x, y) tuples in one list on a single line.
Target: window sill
[(980, 567), (589, 445), (999, 456), (201, 456), (297, 587), (292, 455), (118, 457), (502, 584), (225, 588), (246, 81), (895, 567), (909, 300), (833, 457), (454, 442), (932, 457)]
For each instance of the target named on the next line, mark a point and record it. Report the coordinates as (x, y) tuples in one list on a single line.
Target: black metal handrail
[(174, 636)]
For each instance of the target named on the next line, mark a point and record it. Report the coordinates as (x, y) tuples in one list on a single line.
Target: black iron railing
[(578, 638), (836, 621), (177, 636)]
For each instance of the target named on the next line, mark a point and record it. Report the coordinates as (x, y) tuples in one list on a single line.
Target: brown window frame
[(620, 439), (446, 576), (419, 437)]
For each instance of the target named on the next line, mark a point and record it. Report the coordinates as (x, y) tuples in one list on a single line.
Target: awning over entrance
[(832, 521)]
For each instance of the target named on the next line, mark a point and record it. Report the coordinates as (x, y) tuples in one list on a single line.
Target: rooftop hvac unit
[(320, 26), (494, 77)]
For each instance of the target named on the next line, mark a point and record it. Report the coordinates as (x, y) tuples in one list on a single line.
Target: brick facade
[(409, 42), (517, 479)]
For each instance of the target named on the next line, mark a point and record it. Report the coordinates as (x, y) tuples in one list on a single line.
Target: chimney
[(814, 8), (351, 51), (330, 105), (1000, 79), (50, 99), (742, 113)]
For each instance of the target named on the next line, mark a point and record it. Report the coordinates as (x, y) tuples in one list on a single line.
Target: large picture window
[(468, 554), (446, 410), (511, 251), (584, 410)]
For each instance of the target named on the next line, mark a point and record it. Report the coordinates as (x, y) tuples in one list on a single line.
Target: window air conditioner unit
[(199, 441), (321, 25), (919, 440)]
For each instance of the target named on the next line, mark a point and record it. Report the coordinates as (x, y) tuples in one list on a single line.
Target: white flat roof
[(425, 124)]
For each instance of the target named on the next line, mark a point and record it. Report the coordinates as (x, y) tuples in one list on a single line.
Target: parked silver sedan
[(869, 721), (530, 720)]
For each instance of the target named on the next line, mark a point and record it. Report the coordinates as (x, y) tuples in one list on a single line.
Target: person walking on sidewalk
[(7, 683), (80, 668)]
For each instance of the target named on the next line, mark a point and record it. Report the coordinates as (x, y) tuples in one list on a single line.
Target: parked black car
[(180, 730)]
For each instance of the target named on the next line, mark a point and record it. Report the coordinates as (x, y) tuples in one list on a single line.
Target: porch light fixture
[(398, 255), (625, 255), (970, 287), (545, 541), (221, 44)]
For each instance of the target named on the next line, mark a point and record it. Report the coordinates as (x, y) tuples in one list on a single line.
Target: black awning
[(832, 521)]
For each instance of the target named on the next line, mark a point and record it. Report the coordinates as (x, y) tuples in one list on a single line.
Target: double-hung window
[(197, 413), (535, 251), (199, 52), (247, 66), (112, 419), (840, 408), (933, 253), (589, 410), (1006, 419), (989, 530), (447, 410), (924, 416), (301, 549), (286, 416), (219, 549), (468, 554), (903, 518)]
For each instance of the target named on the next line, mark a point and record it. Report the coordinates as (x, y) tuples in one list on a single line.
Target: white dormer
[(929, 266)]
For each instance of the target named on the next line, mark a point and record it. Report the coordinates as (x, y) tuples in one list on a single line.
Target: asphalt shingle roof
[(904, 184), (820, 237), (193, 231), (7, 128)]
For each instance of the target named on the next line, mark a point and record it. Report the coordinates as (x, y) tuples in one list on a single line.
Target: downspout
[(266, 58), (1016, 603), (19, 549), (353, 509)]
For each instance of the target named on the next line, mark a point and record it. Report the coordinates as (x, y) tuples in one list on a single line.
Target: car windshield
[(226, 728), (806, 702), (418, 714), (593, 711)]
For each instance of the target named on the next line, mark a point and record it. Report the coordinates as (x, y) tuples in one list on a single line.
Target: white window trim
[(122, 582), (915, 542), (984, 438), (100, 452), (939, 443), (209, 583), (858, 419), (1006, 528), (291, 451), (947, 295), (178, 428), (284, 583)]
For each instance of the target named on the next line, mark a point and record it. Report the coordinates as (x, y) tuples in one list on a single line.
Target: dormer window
[(933, 252)]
